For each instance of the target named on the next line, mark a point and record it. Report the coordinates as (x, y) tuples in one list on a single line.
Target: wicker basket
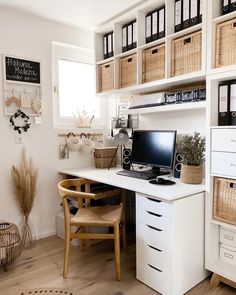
[(106, 76), (224, 200), (10, 244), (128, 71), (105, 162), (186, 55), (226, 43), (154, 63), (106, 152), (191, 174)]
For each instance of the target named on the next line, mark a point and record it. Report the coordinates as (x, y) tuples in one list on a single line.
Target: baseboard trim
[(45, 235)]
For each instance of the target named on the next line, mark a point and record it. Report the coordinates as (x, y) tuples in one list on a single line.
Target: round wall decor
[(22, 120)]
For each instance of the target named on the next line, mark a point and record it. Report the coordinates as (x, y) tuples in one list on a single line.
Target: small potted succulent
[(192, 150)]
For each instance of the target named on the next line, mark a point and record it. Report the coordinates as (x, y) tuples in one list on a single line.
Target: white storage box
[(228, 254)]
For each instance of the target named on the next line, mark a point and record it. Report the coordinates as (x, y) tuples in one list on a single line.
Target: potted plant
[(192, 150)]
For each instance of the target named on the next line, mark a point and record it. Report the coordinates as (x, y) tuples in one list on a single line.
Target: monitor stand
[(158, 172)]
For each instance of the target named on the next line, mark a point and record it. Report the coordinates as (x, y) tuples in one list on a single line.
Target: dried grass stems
[(24, 181)]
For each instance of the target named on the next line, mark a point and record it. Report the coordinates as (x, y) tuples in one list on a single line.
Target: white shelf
[(226, 270), (185, 32), (222, 175), (153, 43), (224, 17), (104, 61), (126, 53), (223, 127), (223, 224), (198, 105)]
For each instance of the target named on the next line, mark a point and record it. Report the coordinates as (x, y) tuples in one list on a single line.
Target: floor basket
[(224, 200)]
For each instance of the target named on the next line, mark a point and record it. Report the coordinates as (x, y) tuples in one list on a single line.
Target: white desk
[(169, 230), (162, 192)]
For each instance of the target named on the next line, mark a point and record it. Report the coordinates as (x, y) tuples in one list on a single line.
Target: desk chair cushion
[(102, 216)]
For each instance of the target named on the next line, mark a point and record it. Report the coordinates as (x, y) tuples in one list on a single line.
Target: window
[(74, 86)]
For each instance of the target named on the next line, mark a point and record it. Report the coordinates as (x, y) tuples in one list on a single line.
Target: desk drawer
[(153, 236), (151, 255), (227, 255), (223, 164), (228, 237), (150, 204), (154, 278), (153, 219), (224, 140)]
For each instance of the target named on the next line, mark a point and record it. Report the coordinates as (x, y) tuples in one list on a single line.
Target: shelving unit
[(198, 105), (213, 262), (213, 76), (139, 14)]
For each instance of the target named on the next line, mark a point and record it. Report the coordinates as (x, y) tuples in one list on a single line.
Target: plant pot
[(191, 174)]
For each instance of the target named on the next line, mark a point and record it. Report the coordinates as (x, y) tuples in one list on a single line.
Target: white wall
[(182, 121), (27, 37)]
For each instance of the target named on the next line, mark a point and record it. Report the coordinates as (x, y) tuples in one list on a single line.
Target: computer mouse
[(160, 180)]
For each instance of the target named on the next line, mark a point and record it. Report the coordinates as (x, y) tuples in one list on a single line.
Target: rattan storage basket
[(106, 77), (224, 200), (154, 63), (128, 71), (105, 162), (186, 55), (226, 43), (104, 152)]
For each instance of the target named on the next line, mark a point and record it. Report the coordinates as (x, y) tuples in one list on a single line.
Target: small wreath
[(20, 128)]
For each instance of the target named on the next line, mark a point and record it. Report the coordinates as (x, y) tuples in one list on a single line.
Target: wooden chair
[(110, 215)]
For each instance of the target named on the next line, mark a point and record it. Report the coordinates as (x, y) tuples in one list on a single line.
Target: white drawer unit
[(154, 219), (170, 243), (223, 164), (153, 205), (228, 237), (224, 140), (228, 255)]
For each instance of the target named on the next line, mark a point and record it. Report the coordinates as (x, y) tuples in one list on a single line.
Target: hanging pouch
[(73, 142)]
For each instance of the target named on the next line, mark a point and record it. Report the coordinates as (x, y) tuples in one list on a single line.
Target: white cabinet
[(170, 243)]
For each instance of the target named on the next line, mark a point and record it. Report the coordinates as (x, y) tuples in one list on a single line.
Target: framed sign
[(21, 70)]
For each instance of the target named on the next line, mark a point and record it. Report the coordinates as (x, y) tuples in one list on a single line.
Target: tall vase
[(28, 235)]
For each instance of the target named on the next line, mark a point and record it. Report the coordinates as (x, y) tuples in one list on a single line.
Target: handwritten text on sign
[(22, 70)]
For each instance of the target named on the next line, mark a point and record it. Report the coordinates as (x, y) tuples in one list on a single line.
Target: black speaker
[(177, 166), (126, 159)]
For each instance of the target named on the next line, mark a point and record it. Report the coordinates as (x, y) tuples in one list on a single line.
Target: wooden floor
[(90, 272)]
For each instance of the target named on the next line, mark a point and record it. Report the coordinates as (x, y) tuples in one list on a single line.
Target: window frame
[(77, 54)]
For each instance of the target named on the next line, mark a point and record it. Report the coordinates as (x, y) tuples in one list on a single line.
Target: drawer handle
[(152, 227), (130, 59), (228, 237), (234, 24), (233, 140), (233, 165), (154, 51), (154, 268), (157, 201), (228, 256), (187, 40), (154, 248), (232, 185), (154, 214)]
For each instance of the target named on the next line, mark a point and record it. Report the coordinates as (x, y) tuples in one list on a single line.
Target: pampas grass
[(24, 178)]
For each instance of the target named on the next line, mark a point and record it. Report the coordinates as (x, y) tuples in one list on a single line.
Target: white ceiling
[(80, 13)]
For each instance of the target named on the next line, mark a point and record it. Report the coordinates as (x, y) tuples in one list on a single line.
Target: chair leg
[(66, 252), (117, 250), (123, 232)]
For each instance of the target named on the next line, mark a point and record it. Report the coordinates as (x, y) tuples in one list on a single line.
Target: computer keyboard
[(137, 174)]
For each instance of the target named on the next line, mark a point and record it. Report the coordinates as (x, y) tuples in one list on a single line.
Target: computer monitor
[(155, 148)]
